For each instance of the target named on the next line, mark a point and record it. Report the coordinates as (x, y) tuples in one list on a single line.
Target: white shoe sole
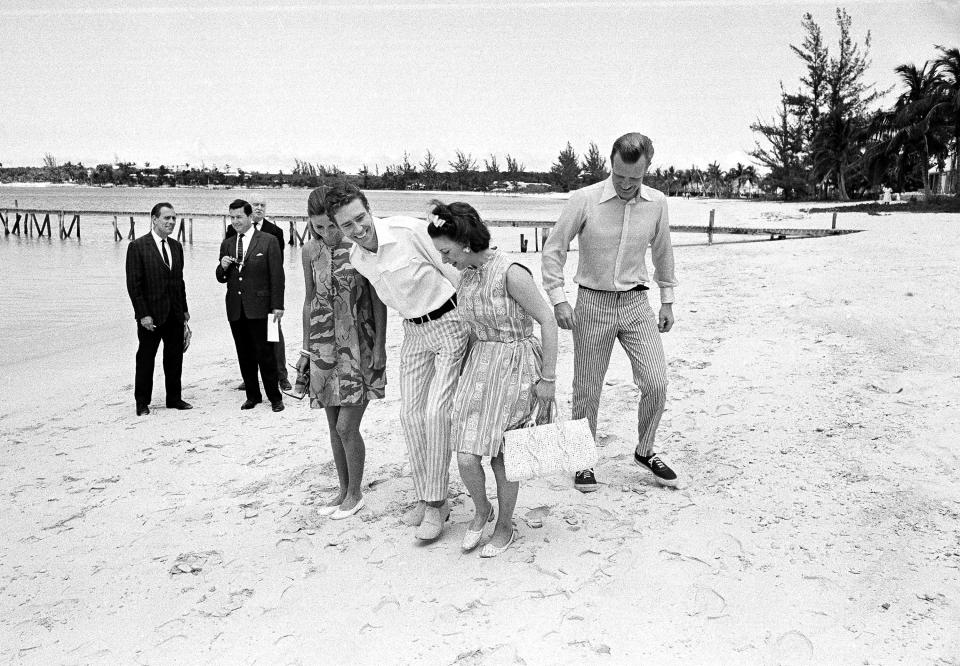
[(675, 483)]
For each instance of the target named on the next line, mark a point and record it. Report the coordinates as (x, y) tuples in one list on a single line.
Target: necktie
[(240, 250), (163, 247), (256, 228)]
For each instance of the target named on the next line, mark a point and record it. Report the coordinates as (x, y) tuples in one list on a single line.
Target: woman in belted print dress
[(507, 370), (344, 336)]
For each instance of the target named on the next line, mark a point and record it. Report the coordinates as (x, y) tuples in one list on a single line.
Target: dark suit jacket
[(259, 286), (267, 227), (155, 290)]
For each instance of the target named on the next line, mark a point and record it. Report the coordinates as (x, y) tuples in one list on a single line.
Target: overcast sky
[(349, 83)]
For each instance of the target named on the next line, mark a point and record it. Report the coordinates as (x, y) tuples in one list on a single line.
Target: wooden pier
[(21, 221)]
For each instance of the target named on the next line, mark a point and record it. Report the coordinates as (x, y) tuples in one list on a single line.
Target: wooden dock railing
[(24, 221)]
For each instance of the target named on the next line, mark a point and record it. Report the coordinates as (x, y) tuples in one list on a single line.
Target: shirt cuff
[(557, 296), (666, 294)]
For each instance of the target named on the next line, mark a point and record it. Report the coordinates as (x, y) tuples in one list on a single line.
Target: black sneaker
[(660, 470), (585, 481)]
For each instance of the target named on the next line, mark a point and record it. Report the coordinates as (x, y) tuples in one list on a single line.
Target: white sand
[(813, 407)]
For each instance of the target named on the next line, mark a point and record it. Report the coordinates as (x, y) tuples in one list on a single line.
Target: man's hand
[(277, 315), (564, 314), (147, 322), (225, 262), (665, 320)]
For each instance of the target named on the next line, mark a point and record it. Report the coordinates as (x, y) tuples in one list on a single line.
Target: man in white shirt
[(398, 258), (615, 221)]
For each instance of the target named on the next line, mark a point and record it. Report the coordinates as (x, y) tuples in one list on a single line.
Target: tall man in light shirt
[(615, 221), (398, 258)]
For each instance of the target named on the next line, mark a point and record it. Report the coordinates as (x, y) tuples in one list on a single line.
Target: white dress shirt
[(613, 239), (159, 241), (406, 270), (247, 237)]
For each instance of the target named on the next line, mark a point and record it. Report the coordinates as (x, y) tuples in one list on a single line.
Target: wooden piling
[(710, 228), (117, 236), (133, 233), (544, 235), (16, 226), (190, 231), (181, 232), (833, 223), (3, 219), (296, 236), (44, 226), (523, 243)]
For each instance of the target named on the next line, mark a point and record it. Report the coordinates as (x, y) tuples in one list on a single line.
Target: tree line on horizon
[(831, 138), (570, 171)]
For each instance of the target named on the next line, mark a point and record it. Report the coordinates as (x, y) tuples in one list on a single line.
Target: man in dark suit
[(159, 297), (261, 223), (251, 265)]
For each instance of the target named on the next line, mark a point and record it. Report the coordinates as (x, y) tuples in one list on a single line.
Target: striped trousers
[(600, 318), (430, 360)]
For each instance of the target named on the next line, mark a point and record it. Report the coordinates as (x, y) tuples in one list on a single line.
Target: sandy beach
[(814, 409)]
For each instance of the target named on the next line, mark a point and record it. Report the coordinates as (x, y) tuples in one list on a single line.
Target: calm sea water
[(56, 296)]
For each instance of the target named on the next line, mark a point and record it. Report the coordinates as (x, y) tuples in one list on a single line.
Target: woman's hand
[(379, 360), (545, 393), (303, 364)]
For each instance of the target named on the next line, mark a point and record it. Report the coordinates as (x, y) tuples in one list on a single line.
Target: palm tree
[(715, 174), (949, 66), (914, 130), (671, 176)]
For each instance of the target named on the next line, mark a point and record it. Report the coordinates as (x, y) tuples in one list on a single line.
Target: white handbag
[(553, 447)]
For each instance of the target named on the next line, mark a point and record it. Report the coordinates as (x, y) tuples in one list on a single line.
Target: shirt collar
[(610, 192), (156, 238), (385, 235)]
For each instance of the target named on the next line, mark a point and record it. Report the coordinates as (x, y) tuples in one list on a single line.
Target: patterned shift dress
[(342, 332), (495, 390)]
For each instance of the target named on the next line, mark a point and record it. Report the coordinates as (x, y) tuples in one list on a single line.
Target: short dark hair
[(631, 147), (155, 211), (340, 195), (240, 203), (461, 223)]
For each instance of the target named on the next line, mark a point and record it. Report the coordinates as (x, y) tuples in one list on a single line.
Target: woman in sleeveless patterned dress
[(506, 371), (344, 336)]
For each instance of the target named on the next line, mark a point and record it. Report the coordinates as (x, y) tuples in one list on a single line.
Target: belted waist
[(639, 287), (449, 305)]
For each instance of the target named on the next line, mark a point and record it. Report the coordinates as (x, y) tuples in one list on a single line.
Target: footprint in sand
[(792, 648), (534, 517), (706, 602)]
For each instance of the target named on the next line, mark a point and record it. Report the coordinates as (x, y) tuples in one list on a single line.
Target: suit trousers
[(170, 333), (253, 351), (430, 361), (600, 318)]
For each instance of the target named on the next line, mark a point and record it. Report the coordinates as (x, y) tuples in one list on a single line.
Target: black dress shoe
[(250, 404), (277, 406), (142, 410), (182, 404)]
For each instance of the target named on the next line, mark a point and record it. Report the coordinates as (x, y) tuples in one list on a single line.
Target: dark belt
[(436, 314), (639, 287)]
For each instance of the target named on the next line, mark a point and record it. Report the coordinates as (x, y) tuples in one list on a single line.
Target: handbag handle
[(534, 418)]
